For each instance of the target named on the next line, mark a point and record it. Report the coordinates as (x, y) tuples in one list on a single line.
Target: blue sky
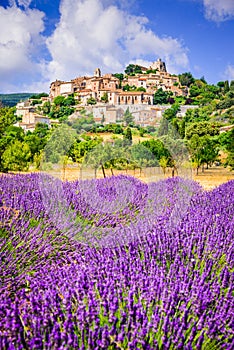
[(44, 40)]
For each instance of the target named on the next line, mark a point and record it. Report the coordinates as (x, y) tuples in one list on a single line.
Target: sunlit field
[(115, 263)]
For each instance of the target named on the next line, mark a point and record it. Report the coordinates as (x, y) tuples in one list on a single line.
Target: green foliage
[(127, 137), (230, 160), (11, 100), (227, 142), (227, 103), (46, 108), (203, 93), (231, 86), (59, 143), (36, 102), (80, 149), (163, 127), (58, 100), (202, 129), (16, 156), (69, 101), (154, 71), (203, 149), (104, 98), (198, 114), (182, 126), (142, 156), (7, 118), (226, 86), (61, 112), (186, 79), (170, 113), (129, 88), (132, 69), (91, 101), (106, 155), (38, 96), (128, 117), (61, 107), (157, 148), (37, 139), (119, 76), (160, 97), (141, 88), (118, 129), (83, 123)]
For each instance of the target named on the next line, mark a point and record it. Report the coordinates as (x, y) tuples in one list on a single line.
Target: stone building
[(98, 85)]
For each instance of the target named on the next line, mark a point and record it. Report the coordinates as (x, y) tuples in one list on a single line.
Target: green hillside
[(12, 99)]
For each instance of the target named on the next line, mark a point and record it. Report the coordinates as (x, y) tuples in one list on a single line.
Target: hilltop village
[(108, 96)]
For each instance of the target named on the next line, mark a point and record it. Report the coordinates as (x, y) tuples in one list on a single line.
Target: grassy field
[(209, 179)]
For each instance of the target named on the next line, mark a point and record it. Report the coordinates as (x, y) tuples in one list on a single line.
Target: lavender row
[(161, 279)]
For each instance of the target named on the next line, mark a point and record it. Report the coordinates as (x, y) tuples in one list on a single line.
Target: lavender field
[(115, 263)]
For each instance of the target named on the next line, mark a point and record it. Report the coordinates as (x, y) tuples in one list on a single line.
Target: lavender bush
[(115, 264)]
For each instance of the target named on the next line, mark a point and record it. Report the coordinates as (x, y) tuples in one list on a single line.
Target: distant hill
[(12, 99)]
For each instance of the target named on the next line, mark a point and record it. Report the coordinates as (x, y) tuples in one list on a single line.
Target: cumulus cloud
[(95, 33), (20, 44), (229, 72), (219, 10), (88, 34)]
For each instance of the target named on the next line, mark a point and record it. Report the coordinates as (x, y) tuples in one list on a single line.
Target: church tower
[(97, 73), (159, 65)]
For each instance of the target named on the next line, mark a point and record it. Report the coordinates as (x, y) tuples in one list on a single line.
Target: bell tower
[(97, 73)]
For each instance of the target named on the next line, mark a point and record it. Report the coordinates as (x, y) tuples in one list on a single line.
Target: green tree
[(58, 100), (182, 126), (231, 85), (202, 129), (80, 149), (226, 86), (170, 113), (37, 139), (46, 108), (160, 97), (91, 101), (203, 150), (7, 119), (16, 156), (157, 148), (141, 156), (163, 162), (59, 143), (227, 143), (133, 69), (127, 137), (69, 101), (129, 69), (104, 98), (119, 76), (186, 79), (163, 127), (128, 117)]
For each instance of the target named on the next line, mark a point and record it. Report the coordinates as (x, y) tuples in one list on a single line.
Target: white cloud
[(89, 34), (219, 10), (20, 44), (229, 72), (95, 33)]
